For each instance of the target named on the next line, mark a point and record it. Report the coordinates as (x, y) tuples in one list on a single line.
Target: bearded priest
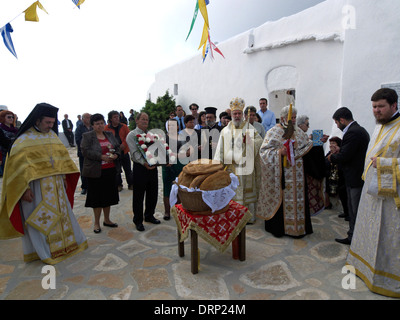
[(375, 246), (37, 197), (238, 149), (283, 201)]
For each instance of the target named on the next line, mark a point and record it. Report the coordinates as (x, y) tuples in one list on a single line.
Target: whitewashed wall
[(331, 66), (371, 55)]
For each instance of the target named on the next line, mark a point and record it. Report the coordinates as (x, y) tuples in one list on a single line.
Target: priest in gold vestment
[(38, 188), (282, 200), (375, 248), (238, 149)]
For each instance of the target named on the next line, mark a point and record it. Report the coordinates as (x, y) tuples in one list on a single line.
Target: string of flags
[(30, 15), (205, 42)]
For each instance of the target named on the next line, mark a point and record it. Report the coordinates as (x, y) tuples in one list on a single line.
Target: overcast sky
[(104, 56)]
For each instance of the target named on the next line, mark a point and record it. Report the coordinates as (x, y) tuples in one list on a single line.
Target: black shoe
[(167, 217), (140, 227), (84, 191), (153, 220), (111, 225), (343, 215), (97, 230), (344, 241)]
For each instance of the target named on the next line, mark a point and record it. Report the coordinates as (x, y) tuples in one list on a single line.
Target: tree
[(159, 112)]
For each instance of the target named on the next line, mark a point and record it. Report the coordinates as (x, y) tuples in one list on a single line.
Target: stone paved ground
[(124, 264)]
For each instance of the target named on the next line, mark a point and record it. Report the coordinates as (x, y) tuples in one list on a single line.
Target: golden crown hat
[(237, 104)]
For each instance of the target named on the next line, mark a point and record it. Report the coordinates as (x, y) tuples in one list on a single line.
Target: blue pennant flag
[(76, 3), (6, 34)]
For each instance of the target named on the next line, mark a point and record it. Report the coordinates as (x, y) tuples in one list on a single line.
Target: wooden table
[(219, 230)]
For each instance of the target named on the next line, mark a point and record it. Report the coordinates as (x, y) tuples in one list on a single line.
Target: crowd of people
[(284, 175)]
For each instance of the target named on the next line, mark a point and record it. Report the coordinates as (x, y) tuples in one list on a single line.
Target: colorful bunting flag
[(196, 11), (203, 10), (78, 2), (6, 34), (31, 14), (205, 41)]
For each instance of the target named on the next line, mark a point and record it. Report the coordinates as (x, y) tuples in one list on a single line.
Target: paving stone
[(158, 296), (11, 250), (111, 262), (156, 261), (5, 269), (274, 276), (161, 236), (133, 248), (260, 296), (3, 284), (87, 294), (59, 293), (77, 279), (307, 294), (124, 294), (305, 265), (120, 234), (107, 280), (329, 251), (151, 279), (85, 222), (81, 265), (208, 284), (27, 290)]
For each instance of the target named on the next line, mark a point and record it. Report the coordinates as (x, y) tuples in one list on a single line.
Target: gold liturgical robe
[(375, 246), (272, 194), (40, 161), (238, 149)]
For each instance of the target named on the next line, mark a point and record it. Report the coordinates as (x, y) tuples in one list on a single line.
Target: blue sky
[(104, 56)]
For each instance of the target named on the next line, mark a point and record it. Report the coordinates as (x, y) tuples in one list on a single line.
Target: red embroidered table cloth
[(218, 230)]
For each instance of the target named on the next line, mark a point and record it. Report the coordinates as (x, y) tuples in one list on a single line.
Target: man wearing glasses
[(194, 108)]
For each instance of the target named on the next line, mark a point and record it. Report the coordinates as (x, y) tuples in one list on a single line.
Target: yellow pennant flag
[(31, 14), (80, 2), (203, 10), (204, 37)]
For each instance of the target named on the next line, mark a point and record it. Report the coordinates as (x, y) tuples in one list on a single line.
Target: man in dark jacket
[(351, 158), (80, 130), (68, 128)]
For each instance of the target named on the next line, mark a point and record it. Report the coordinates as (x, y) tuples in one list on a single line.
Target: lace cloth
[(215, 199)]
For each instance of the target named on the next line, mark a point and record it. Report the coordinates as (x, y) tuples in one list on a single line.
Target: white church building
[(337, 53)]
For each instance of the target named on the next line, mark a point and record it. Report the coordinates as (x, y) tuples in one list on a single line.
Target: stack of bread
[(201, 175)]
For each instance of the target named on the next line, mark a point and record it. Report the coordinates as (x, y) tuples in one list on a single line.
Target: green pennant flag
[(196, 11)]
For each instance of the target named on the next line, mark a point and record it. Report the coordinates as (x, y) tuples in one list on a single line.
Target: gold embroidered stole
[(271, 195), (33, 156), (240, 157), (51, 217), (386, 149)]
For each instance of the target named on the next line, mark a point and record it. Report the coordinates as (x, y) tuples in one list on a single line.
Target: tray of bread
[(205, 188)]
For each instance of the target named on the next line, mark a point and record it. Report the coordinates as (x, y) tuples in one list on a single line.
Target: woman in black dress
[(101, 152)]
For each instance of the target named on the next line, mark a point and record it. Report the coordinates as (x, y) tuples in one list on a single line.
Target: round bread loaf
[(197, 181), (215, 181), (202, 166), (185, 179)]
